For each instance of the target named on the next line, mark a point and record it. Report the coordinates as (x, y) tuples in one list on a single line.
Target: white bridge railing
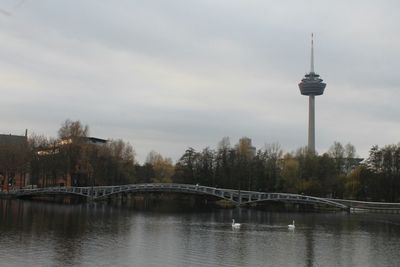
[(238, 197)]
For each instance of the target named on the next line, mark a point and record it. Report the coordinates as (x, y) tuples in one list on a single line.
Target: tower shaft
[(311, 123)]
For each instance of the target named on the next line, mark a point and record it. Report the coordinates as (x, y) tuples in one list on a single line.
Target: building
[(63, 169), (14, 161), (311, 85)]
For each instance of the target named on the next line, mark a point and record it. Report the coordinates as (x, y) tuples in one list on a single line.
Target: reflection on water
[(97, 234)]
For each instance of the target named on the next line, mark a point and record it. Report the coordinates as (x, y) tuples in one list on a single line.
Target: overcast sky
[(168, 75)]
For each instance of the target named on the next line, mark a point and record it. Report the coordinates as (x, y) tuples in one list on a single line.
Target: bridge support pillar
[(348, 209)]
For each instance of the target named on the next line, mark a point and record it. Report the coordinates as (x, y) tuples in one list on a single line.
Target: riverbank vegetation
[(75, 159)]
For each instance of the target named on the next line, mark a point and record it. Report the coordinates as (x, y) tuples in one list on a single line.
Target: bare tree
[(73, 129)]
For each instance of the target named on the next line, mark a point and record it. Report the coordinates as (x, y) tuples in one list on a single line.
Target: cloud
[(169, 75)]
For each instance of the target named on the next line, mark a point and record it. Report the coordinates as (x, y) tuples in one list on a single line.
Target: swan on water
[(291, 226), (235, 225)]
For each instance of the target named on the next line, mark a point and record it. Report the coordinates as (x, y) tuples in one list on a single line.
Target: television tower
[(311, 85)]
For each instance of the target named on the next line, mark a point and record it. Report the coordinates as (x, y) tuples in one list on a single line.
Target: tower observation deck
[(311, 85)]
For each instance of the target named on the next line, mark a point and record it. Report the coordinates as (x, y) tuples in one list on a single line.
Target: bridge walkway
[(237, 197)]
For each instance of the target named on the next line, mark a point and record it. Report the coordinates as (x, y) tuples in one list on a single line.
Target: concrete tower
[(311, 85)]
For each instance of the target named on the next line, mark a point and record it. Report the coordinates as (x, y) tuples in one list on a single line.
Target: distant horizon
[(213, 147)]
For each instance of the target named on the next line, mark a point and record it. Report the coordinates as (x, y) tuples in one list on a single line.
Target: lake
[(101, 234)]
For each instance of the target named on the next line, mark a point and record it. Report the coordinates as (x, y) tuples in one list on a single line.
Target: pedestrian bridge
[(237, 197)]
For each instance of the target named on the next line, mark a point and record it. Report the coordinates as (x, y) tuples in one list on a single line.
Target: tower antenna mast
[(312, 53)]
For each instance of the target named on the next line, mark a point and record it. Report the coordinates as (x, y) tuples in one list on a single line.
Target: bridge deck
[(237, 197)]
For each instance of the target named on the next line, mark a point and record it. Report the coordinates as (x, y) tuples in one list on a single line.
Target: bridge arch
[(49, 191), (295, 198), (107, 191), (236, 197)]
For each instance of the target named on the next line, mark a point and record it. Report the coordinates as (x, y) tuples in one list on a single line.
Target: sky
[(168, 75)]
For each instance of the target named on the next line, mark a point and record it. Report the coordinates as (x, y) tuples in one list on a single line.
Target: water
[(46, 234)]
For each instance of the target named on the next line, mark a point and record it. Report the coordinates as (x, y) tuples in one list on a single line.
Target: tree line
[(336, 173), (73, 155)]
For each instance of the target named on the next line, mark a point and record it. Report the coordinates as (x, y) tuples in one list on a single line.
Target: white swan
[(235, 225), (291, 226)]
